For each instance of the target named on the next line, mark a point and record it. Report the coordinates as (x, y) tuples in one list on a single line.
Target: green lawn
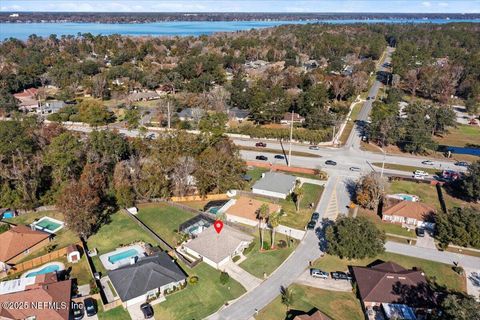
[(461, 136), (385, 226), (299, 220), (62, 238), (118, 313), (197, 301), (79, 270), (258, 263), (438, 272), (164, 220), (336, 305), (121, 230), (351, 123)]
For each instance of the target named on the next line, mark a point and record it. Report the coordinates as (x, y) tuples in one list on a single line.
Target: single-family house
[(410, 213), (216, 249), (237, 114), (147, 278), (18, 242), (275, 184), (40, 300), (244, 210), (143, 96), (28, 99), (392, 287), (315, 315), (288, 118), (49, 107), (191, 114)]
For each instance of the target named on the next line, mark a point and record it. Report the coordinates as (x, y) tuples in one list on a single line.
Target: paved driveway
[(327, 284), (426, 242), (243, 277), (136, 313)]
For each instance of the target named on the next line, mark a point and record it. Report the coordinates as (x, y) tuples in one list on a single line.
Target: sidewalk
[(248, 281)]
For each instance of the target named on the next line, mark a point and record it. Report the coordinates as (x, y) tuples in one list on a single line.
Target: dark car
[(90, 307), (331, 162), (311, 225), (147, 310), (461, 164), (420, 232), (263, 158), (315, 216), (368, 98), (260, 144), (338, 275), (356, 169), (77, 313), (279, 156), (314, 148)]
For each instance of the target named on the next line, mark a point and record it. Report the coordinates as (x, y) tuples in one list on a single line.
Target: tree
[(132, 118), (8, 103), (262, 215), (354, 238), (213, 123), (298, 193), (274, 222), (94, 113), (369, 190), (470, 183), (66, 157), (460, 226), (122, 183), (287, 296), (459, 306)]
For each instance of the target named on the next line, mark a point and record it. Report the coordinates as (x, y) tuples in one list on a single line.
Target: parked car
[(420, 173), (147, 310), (356, 169), (420, 232), (339, 275), (368, 98), (331, 162), (260, 144), (263, 158), (314, 148), (311, 225), (315, 216), (428, 162), (77, 313), (90, 307), (279, 156), (461, 163), (317, 273)]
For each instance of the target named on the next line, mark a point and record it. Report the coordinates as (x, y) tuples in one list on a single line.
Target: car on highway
[(260, 144), (262, 158), (314, 148), (331, 163), (418, 177), (420, 173), (356, 169), (317, 273), (420, 232), (147, 310), (461, 164), (339, 275), (279, 156), (311, 225), (428, 162), (315, 216)]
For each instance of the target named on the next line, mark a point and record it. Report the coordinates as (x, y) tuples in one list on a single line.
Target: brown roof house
[(18, 242), (48, 300), (216, 249), (287, 118), (244, 210), (28, 99), (414, 214), (316, 315), (392, 287)]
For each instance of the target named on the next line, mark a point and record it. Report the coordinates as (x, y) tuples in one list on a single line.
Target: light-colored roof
[(276, 182), (218, 246), (247, 208), (49, 295), (17, 240), (410, 209)]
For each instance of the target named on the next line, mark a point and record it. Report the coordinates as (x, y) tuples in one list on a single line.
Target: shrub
[(193, 280), (236, 258), (224, 278), (282, 244), (458, 270), (4, 227)]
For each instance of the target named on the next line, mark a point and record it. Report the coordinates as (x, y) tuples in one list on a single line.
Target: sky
[(390, 6)]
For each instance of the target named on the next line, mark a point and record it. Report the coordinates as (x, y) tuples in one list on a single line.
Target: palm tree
[(287, 296), (274, 221), (298, 195), (262, 214)]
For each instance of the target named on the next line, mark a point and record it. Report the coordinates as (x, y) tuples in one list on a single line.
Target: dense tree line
[(459, 226), (88, 176)]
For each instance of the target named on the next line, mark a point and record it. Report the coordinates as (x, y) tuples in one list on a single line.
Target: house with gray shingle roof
[(147, 278), (275, 184)]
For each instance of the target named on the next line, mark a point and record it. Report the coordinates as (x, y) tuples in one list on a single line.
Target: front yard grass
[(439, 272), (164, 219), (258, 263), (336, 305), (201, 299), (299, 220), (117, 313)]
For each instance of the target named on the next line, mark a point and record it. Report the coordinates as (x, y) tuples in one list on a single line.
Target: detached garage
[(275, 184)]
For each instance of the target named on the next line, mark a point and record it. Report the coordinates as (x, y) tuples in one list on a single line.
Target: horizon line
[(247, 12)]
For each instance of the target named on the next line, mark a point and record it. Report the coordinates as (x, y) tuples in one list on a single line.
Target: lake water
[(177, 28)]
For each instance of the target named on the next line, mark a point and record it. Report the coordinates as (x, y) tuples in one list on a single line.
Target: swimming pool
[(47, 268), (48, 224), (123, 255)]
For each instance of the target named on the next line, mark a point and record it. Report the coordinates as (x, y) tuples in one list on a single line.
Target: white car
[(418, 177), (420, 173), (428, 162)]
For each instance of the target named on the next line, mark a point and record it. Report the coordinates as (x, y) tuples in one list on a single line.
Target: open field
[(336, 305), (201, 299), (299, 220), (438, 272), (460, 136), (163, 219)]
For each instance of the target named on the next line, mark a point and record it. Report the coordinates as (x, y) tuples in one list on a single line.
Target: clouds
[(391, 6)]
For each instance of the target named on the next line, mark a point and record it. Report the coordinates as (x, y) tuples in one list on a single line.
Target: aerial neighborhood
[(290, 171)]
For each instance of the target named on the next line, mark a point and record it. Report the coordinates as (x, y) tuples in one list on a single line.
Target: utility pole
[(168, 112), (291, 137)]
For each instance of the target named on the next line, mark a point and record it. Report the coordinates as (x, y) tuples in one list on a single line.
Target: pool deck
[(112, 266), (61, 267)]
